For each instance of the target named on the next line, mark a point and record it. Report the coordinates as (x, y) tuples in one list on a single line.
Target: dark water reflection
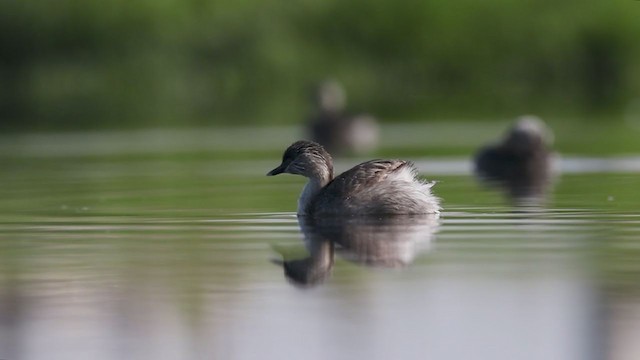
[(522, 187), (377, 241)]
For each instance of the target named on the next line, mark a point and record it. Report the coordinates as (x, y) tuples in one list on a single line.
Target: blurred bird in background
[(331, 126), (521, 162)]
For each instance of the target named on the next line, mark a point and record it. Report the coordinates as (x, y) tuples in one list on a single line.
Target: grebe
[(332, 127), (521, 162), (375, 187)]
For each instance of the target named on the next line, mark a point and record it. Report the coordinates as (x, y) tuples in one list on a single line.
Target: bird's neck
[(316, 182), (308, 193)]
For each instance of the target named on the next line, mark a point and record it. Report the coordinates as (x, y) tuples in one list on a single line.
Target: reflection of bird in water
[(373, 187), (337, 131), (390, 242), (521, 162)]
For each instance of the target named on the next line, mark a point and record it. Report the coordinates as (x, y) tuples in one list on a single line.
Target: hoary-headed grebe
[(375, 187)]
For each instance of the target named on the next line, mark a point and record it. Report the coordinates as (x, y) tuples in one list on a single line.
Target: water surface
[(133, 255)]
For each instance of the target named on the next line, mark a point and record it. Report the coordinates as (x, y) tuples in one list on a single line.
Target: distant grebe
[(521, 162), (331, 126), (373, 187)]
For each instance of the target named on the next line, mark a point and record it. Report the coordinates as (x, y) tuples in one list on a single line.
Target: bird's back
[(376, 187)]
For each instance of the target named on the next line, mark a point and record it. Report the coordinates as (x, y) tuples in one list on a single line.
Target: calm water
[(123, 254)]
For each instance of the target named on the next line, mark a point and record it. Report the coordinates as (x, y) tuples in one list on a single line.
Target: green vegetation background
[(75, 64)]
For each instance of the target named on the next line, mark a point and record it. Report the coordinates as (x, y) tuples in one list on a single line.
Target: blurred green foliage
[(113, 63)]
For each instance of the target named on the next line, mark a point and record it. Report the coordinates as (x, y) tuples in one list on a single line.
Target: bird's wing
[(364, 176)]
